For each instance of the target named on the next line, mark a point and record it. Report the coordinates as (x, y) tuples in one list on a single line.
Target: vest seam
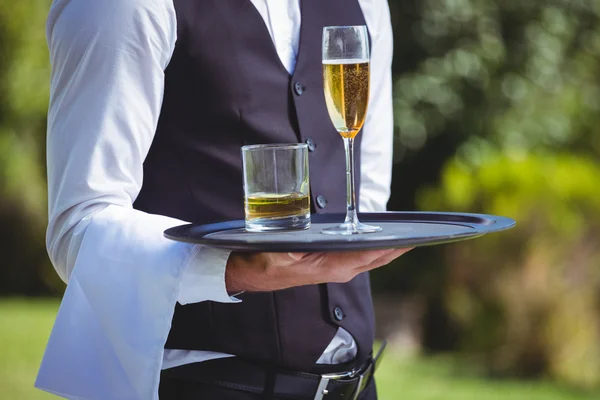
[(277, 330), (211, 324)]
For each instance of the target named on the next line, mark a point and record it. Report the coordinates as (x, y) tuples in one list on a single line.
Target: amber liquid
[(270, 205), (346, 85)]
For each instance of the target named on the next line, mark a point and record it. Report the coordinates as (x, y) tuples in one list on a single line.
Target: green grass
[(25, 326), (437, 379), (24, 329)]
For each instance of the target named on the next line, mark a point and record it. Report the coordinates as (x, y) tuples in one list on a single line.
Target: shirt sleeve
[(378, 131), (107, 84), (124, 278)]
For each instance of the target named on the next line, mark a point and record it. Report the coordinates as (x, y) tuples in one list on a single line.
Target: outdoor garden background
[(497, 110)]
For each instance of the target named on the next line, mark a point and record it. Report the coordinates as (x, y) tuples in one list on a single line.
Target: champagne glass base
[(349, 228)]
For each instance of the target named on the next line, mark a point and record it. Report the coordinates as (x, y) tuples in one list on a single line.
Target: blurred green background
[(497, 110)]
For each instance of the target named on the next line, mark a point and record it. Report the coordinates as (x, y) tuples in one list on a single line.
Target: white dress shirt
[(124, 278)]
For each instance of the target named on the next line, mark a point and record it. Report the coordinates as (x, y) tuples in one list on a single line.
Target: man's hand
[(260, 272)]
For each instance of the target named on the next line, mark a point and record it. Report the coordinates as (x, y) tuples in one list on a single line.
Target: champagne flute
[(346, 84)]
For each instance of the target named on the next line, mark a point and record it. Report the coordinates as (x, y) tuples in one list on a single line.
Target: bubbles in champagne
[(346, 84)]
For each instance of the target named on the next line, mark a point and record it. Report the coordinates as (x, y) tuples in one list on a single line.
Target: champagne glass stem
[(351, 217)]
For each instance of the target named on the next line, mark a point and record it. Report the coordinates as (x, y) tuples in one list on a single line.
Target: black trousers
[(174, 386)]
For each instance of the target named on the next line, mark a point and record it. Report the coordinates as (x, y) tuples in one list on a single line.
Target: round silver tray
[(400, 229)]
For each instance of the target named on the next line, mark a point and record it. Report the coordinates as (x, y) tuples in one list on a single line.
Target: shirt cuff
[(204, 277)]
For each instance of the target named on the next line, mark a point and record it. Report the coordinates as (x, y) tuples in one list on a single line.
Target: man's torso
[(226, 87)]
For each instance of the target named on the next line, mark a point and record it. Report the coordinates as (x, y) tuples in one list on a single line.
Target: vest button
[(298, 88), (321, 201), (338, 314), (312, 146)]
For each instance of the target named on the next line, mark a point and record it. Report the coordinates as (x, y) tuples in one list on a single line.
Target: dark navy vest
[(225, 87)]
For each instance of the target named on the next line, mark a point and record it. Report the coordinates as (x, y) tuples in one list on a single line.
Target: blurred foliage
[(518, 76), (527, 302), (524, 75), (24, 81), (497, 108)]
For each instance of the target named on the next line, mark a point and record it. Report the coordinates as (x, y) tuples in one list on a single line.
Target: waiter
[(151, 101)]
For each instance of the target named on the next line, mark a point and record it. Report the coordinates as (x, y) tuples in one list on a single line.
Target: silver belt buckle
[(362, 382), (325, 379)]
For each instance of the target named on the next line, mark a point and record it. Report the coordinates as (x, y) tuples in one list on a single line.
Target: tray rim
[(490, 223)]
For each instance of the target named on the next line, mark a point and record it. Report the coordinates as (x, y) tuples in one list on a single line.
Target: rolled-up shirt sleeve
[(108, 60)]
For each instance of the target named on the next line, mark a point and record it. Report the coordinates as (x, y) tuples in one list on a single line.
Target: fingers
[(384, 260), (361, 259), (297, 256), (390, 256), (274, 271), (344, 266), (356, 259)]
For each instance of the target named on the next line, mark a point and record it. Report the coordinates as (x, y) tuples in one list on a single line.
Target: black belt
[(253, 378)]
